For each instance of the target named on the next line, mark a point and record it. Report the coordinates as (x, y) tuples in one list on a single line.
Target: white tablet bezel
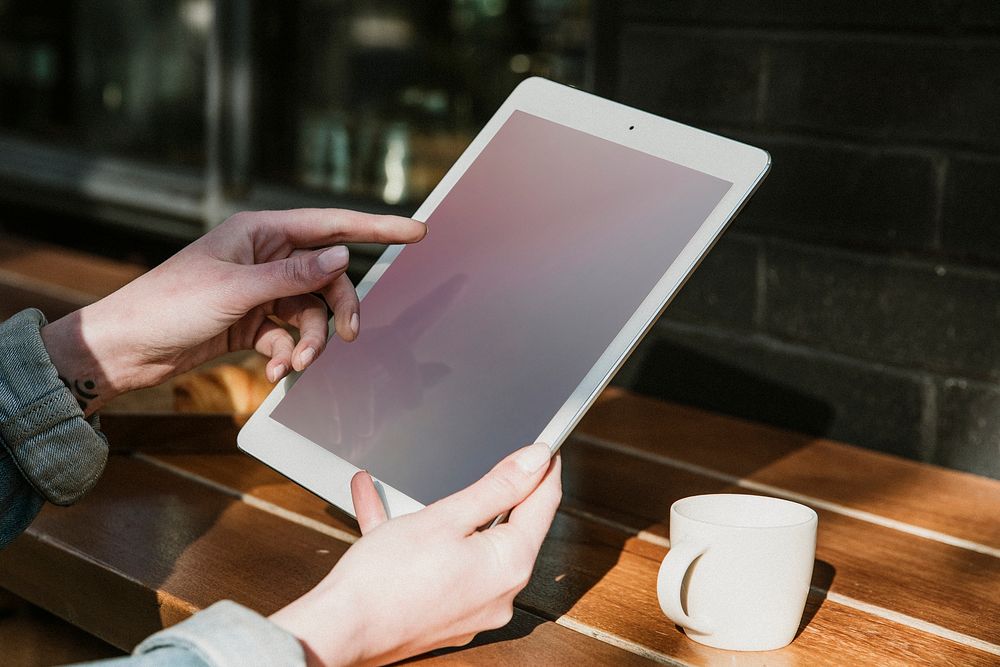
[(328, 476)]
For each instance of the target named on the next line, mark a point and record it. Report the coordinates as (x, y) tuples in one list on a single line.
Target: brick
[(932, 91), (755, 378), (980, 15), (891, 14), (723, 291), (844, 195), (970, 222), (695, 78), (969, 427), (910, 313)]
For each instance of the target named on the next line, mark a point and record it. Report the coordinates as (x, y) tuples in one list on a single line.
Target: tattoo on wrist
[(83, 391)]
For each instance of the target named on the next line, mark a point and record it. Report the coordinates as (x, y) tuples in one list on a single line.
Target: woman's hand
[(218, 295), (430, 579)]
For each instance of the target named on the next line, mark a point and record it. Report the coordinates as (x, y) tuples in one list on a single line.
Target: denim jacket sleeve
[(48, 450), (224, 635)]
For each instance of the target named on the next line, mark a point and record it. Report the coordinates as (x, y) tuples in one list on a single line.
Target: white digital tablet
[(554, 243)]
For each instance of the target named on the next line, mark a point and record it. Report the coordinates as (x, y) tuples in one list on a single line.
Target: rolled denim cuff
[(227, 634), (58, 451)]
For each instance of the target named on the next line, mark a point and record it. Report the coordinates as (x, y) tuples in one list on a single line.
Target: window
[(170, 115), (378, 99), (122, 77)]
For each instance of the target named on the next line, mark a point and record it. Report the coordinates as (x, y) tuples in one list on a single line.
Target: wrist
[(327, 624), (89, 358)]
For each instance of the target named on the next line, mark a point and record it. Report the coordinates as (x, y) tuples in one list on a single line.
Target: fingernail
[(534, 457), (333, 259), (355, 323), (307, 356), (277, 372)]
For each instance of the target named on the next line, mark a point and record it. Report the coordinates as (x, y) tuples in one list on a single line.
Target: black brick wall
[(970, 222), (847, 195), (858, 295)]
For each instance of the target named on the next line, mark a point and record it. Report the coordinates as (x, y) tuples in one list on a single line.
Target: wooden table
[(907, 570)]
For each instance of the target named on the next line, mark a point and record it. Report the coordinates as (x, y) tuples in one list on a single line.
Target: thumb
[(504, 487), (301, 273), (367, 503)]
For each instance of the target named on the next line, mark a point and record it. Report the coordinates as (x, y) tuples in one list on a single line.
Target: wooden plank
[(948, 501), (531, 640), (241, 476), (76, 272), (104, 602), (147, 548), (605, 580), (53, 279), (171, 432), (935, 582), (17, 294), (31, 636)]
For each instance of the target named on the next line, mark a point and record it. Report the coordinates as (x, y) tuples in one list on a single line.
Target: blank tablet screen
[(475, 337)]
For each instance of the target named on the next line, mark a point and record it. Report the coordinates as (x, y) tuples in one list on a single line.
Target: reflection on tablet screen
[(476, 336)]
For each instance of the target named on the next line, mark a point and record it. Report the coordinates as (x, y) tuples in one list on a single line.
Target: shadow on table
[(521, 626), (822, 580), (100, 562), (670, 371)]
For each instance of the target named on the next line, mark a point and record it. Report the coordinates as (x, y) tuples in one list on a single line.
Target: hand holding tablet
[(430, 579)]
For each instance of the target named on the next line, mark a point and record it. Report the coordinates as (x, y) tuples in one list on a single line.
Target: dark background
[(856, 297)]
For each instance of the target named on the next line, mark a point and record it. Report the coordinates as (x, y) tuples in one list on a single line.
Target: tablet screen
[(474, 338)]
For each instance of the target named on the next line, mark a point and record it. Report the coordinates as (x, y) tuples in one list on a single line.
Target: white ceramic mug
[(738, 571)]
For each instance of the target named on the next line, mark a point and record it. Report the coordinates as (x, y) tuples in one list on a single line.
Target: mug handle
[(674, 568)]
